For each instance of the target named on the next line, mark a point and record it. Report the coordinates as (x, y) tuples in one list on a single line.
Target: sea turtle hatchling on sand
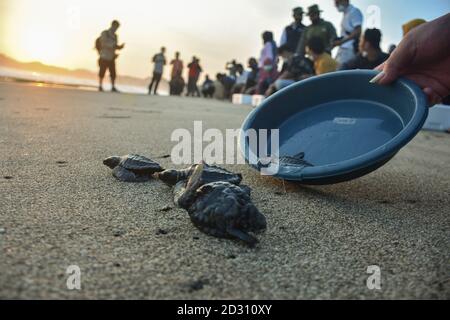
[(219, 208), (210, 173), (132, 167)]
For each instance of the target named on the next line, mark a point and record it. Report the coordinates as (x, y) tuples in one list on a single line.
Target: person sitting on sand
[(107, 44), (159, 60), (208, 87), (412, 24), (295, 68), (267, 64), (252, 78), (219, 89), (370, 54), (241, 79), (323, 62)]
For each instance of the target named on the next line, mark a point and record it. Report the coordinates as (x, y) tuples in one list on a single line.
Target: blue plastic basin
[(345, 126)]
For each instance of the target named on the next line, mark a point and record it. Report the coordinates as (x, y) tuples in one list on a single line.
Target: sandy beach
[(60, 206)]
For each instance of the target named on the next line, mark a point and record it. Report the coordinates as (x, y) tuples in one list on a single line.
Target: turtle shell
[(134, 162), (210, 173), (225, 210)]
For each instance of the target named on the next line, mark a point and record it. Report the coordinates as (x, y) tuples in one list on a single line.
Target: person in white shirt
[(350, 31), (159, 61), (107, 44)]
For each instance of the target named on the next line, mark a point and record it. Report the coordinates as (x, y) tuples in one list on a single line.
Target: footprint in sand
[(146, 111), (106, 116)]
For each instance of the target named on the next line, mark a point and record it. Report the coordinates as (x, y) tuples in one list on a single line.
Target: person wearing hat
[(319, 28), (407, 27), (292, 33), (351, 23)]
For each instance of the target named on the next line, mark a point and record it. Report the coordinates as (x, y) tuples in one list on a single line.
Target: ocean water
[(74, 82)]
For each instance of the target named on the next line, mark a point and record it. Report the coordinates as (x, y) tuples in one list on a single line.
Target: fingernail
[(377, 77)]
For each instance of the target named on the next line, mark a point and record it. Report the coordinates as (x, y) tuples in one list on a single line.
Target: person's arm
[(283, 39), (424, 57), (356, 21), (118, 47), (332, 34), (302, 43), (354, 35)]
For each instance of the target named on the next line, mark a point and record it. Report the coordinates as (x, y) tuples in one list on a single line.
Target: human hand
[(337, 43), (424, 57)]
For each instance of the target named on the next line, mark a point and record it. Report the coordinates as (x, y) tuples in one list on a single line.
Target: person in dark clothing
[(370, 54), (231, 68), (293, 32), (295, 68), (106, 45), (194, 73), (252, 78), (208, 87), (227, 83)]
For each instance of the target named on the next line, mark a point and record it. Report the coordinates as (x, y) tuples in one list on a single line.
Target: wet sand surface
[(60, 206)]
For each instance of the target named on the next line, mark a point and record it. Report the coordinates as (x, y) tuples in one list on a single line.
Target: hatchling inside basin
[(339, 126)]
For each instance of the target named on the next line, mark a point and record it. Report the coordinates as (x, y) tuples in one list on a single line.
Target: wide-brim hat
[(298, 10), (313, 9)]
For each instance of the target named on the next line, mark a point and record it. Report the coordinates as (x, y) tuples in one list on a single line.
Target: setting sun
[(40, 45)]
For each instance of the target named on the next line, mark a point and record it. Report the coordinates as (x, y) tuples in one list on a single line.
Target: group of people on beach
[(305, 51)]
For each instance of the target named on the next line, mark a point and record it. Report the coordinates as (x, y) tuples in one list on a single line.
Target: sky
[(63, 32)]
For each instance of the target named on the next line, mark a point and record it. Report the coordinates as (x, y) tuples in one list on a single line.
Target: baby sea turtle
[(219, 208), (132, 167), (210, 173)]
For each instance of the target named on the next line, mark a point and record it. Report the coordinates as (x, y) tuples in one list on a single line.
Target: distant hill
[(39, 67)]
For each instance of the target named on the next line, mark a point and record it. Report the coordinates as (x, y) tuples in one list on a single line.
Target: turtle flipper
[(242, 235), (123, 174), (185, 197)]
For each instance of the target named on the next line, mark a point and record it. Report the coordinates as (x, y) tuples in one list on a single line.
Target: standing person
[(318, 28), (176, 77), (159, 60), (292, 33), (267, 64), (194, 73), (106, 46), (177, 66), (351, 23), (370, 54), (231, 67)]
